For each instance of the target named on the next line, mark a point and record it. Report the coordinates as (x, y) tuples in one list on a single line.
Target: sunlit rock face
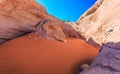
[(100, 26), (101, 22), (18, 17)]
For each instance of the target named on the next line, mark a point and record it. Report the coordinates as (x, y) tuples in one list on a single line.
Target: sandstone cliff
[(100, 27), (19, 17), (100, 23)]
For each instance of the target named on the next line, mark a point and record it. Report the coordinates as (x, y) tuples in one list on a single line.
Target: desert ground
[(30, 54)]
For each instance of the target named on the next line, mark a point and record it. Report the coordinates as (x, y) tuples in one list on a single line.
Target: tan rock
[(18, 17), (100, 24)]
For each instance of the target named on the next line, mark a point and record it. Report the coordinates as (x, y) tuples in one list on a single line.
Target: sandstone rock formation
[(18, 17), (101, 22), (100, 27), (107, 62)]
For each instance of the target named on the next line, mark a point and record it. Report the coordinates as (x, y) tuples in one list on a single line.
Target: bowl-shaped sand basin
[(32, 55)]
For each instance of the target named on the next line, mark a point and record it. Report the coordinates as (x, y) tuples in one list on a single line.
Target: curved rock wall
[(101, 25), (101, 22), (19, 17)]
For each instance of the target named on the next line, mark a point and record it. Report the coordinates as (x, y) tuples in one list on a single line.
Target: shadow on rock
[(107, 61)]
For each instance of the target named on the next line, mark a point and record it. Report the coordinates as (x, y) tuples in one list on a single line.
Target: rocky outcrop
[(107, 61), (100, 23), (100, 27), (18, 17)]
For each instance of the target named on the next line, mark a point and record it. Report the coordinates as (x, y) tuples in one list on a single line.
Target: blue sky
[(67, 9)]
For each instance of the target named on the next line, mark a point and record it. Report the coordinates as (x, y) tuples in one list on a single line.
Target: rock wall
[(100, 26), (100, 23), (19, 17)]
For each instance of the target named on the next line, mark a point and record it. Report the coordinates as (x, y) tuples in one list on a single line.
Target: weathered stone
[(101, 22), (107, 62), (19, 17), (100, 25)]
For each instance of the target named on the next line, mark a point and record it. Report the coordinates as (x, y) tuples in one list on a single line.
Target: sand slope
[(32, 55)]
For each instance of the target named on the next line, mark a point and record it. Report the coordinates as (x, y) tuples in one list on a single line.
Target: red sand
[(32, 55)]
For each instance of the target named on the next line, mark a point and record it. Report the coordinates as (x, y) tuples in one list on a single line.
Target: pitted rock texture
[(100, 24), (18, 17), (100, 27)]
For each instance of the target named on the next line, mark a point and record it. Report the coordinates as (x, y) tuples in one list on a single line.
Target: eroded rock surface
[(100, 26), (107, 62), (101, 22), (18, 17)]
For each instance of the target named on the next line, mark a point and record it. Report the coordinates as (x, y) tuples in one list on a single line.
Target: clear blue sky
[(67, 9)]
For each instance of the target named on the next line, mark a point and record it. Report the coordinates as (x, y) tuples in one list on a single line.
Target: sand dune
[(33, 55)]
